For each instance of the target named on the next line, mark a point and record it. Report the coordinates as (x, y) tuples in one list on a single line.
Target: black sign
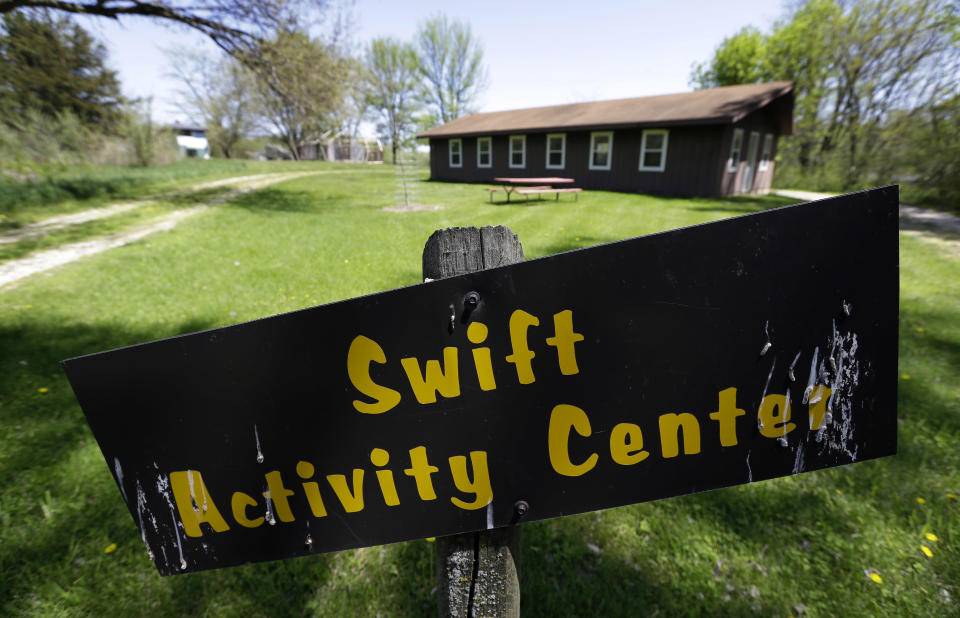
[(715, 355)]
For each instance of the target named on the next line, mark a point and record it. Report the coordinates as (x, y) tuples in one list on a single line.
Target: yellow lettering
[(388, 488), (726, 415), (563, 418), (195, 503), (278, 494), (520, 321), (351, 501), (445, 381), (626, 444), (477, 333), (420, 469), (818, 405), (670, 424), (774, 415), (238, 504), (479, 485), (305, 470), (564, 339), (364, 351)]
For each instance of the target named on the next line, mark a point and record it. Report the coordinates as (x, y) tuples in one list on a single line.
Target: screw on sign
[(715, 355)]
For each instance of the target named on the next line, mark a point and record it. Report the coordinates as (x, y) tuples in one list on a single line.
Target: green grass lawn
[(800, 545)]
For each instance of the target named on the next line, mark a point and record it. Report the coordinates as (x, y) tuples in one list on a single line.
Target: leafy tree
[(390, 84), (218, 91), (928, 149), (352, 109), (150, 144), (739, 59), (52, 66), (891, 53), (856, 65), (451, 66), (802, 50), (301, 96)]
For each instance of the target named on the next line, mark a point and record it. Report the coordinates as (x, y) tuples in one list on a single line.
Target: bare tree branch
[(238, 27)]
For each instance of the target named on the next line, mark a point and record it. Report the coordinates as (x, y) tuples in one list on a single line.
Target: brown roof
[(710, 106)]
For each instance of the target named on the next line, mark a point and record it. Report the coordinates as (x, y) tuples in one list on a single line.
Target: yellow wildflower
[(931, 537), (906, 376), (921, 501), (951, 496), (926, 551), (112, 547), (42, 389), (346, 261), (876, 577)]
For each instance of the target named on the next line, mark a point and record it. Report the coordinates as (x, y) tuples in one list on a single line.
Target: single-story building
[(343, 148), (717, 141), (192, 140)]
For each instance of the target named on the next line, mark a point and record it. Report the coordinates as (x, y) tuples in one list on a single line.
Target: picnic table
[(528, 186)]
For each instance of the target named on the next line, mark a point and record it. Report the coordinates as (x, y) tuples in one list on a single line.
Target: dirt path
[(15, 270), (40, 261), (932, 218), (61, 221), (227, 181)]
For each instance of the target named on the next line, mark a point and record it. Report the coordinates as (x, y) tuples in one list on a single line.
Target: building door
[(750, 172)]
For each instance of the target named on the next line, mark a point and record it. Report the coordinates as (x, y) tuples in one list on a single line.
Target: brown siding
[(696, 160)]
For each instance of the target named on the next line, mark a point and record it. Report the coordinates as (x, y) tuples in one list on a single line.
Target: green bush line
[(86, 186)]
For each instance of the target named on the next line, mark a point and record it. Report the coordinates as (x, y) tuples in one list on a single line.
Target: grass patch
[(803, 544)]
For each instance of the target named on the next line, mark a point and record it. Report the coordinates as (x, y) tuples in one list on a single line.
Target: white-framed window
[(456, 153), (601, 150), (484, 152), (767, 152), (735, 148), (518, 151), (653, 150), (556, 151)]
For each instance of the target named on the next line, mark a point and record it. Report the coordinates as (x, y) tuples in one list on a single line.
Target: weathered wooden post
[(477, 573)]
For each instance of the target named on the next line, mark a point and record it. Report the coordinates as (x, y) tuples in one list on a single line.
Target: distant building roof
[(185, 126), (725, 105)]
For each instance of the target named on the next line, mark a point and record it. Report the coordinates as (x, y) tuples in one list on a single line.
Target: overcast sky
[(539, 52)]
